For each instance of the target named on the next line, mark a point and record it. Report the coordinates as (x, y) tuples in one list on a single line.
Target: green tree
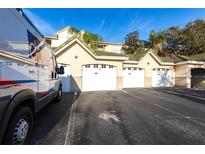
[(132, 43), (73, 30), (173, 41), (89, 38), (194, 38), (86, 36), (189, 40), (157, 40), (153, 38)]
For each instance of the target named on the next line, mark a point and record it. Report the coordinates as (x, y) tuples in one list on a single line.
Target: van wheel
[(59, 95), (20, 126)]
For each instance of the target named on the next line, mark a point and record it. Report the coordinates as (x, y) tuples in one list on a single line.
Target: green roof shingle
[(107, 53)]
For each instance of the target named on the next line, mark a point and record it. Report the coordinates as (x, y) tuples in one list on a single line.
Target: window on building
[(87, 66), (95, 65), (103, 66)]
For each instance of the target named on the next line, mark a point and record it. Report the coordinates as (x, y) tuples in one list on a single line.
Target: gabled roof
[(199, 58), (94, 54), (65, 43), (108, 53), (140, 56)]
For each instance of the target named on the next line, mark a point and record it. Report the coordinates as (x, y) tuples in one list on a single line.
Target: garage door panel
[(99, 77), (161, 77), (133, 77)]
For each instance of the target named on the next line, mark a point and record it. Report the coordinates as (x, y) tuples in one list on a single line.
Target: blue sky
[(112, 24)]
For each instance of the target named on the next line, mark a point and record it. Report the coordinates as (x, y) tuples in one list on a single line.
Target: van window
[(15, 36), (18, 47)]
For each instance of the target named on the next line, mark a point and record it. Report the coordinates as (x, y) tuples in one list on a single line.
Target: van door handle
[(52, 75)]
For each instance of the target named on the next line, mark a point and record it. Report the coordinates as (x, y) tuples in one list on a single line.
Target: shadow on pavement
[(193, 94), (47, 118)]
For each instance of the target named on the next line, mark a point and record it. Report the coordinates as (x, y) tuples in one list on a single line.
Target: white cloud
[(44, 27), (101, 24), (139, 23), (98, 27), (62, 22)]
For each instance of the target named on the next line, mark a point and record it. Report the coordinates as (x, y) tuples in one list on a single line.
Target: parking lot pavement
[(131, 116), (137, 116), (189, 93), (51, 122)]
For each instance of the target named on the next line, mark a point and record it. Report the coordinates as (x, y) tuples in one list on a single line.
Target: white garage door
[(161, 77), (133, 77), (99, 77), (65, 78)]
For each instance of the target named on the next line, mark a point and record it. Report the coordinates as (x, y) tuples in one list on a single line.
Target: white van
[(28, 76)]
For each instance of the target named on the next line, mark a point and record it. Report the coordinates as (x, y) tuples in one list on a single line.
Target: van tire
[(59, 95), (20, 127)]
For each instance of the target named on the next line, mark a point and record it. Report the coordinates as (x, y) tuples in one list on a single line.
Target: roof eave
[(111, 58), (190, 62)]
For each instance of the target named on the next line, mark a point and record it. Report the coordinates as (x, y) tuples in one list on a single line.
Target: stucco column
[(188, 77), (173, 76), (119, 82)]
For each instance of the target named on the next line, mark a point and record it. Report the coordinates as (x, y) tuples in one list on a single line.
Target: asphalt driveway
[(131, 116)]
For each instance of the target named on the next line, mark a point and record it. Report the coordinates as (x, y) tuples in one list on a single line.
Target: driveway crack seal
[(71, 126)]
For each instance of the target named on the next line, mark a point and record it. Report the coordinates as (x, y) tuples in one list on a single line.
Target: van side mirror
[(61, 70)]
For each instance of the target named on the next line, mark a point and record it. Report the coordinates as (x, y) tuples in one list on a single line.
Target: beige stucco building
[(87, 68), (189, 73), (110, 69), (76, 55)]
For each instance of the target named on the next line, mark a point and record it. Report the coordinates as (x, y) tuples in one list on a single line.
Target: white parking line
[(71, 123), (169, 110), (125, 92)]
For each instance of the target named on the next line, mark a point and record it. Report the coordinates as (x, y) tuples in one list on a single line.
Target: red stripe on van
[(7, 82)]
